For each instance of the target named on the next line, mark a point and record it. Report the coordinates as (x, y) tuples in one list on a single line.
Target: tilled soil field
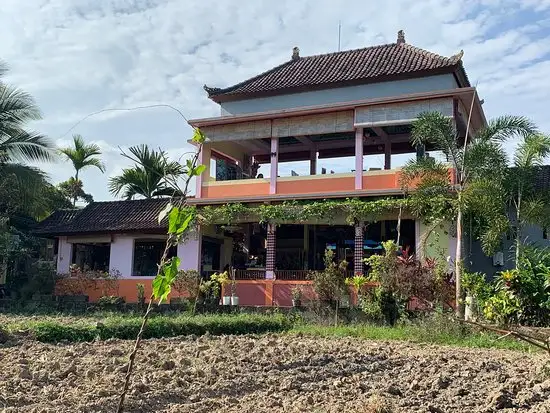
[(271, 374)]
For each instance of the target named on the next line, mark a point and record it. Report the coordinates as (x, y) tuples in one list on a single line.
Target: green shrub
[(110, 302), (52, 332), (330, 283), (522, 295), (159, 326)]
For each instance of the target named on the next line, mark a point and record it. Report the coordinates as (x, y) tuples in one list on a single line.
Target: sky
[(77, 57)]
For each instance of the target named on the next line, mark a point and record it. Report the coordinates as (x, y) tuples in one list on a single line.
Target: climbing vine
[(354, 210)]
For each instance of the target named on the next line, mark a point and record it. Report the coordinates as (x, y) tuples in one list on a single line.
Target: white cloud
[(80, 56)]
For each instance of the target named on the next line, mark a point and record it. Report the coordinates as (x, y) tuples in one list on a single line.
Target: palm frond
[(26, 184), (485, 158), (532, 151), (27, 146), (83, 155), (506, 127), (421, 169), (16, 107), (153, 175), (438, 130)]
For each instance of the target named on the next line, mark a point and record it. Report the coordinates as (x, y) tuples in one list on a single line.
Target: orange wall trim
[(256, 293), (305, 186), (95, 289), (382, 181), (224, 191)]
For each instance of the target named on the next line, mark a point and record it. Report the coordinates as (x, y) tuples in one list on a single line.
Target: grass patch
[(420, 333), (127, 327)]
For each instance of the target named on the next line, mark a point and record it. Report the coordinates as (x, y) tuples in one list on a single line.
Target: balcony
[(382, 181)]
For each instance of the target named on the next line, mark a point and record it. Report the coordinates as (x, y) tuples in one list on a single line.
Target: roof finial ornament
[(400, 37), (295, 53)]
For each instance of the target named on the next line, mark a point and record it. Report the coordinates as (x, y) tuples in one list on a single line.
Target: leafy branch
[(180, 216)]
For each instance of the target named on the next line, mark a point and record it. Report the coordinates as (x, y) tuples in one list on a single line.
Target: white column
[(274, 165), (359, 158), (189, 253), (121, 258), (64, 255)]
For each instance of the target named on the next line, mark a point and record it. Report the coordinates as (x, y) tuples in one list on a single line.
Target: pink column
[(359, 158), (204, 159), (274, 165), (358, 250)]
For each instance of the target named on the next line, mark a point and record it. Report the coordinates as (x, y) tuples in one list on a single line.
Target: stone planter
[(234, 300), (226, 300)]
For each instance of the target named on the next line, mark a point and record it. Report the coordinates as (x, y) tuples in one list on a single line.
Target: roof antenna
[(339, 31)]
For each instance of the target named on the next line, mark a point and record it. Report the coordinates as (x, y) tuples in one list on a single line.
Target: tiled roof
[(111, 216), (371, 64), (58, 218)]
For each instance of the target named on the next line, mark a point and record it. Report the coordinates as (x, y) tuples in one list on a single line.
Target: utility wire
[(158, 105)]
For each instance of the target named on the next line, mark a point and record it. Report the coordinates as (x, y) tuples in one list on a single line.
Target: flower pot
[(296, 303), (226, 300), (234, 300)]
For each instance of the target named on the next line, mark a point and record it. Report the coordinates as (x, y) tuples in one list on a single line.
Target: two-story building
[(347, 116)]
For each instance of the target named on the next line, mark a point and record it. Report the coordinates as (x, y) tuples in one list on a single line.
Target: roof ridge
[(376, 46), (212, 91), (435, 56)]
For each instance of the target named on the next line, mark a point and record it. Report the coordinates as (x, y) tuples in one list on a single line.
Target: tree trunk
[(458, 263), (518, 228), (399, 225), (75, 197)]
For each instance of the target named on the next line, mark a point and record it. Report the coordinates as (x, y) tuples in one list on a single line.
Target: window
[(92, 256), (147, 254)]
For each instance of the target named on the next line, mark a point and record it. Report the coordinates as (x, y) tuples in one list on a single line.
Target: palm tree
[(19, 145), (83, 155), (530, 206), (480, 157), (152, 176)]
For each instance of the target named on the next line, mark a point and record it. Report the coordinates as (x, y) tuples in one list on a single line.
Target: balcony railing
[(250, 274), (376, 180)]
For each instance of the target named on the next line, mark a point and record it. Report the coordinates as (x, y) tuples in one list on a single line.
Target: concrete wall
[(437, 243), (476, 260), (343, 94)]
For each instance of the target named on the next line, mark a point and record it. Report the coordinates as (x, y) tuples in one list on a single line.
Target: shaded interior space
[(91, 256), (310, 154), (300, 247), (147, 255)]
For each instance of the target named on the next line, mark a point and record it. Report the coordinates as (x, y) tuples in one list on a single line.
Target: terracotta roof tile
[(111, 216), (370, 64)]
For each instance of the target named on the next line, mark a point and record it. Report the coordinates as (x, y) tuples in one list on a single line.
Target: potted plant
[(234, 296), (296, 293), (223, 279)]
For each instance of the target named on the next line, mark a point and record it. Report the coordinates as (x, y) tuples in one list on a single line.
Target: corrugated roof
[(370, 64)]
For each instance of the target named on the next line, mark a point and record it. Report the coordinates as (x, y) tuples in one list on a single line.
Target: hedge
[(158, 326)]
